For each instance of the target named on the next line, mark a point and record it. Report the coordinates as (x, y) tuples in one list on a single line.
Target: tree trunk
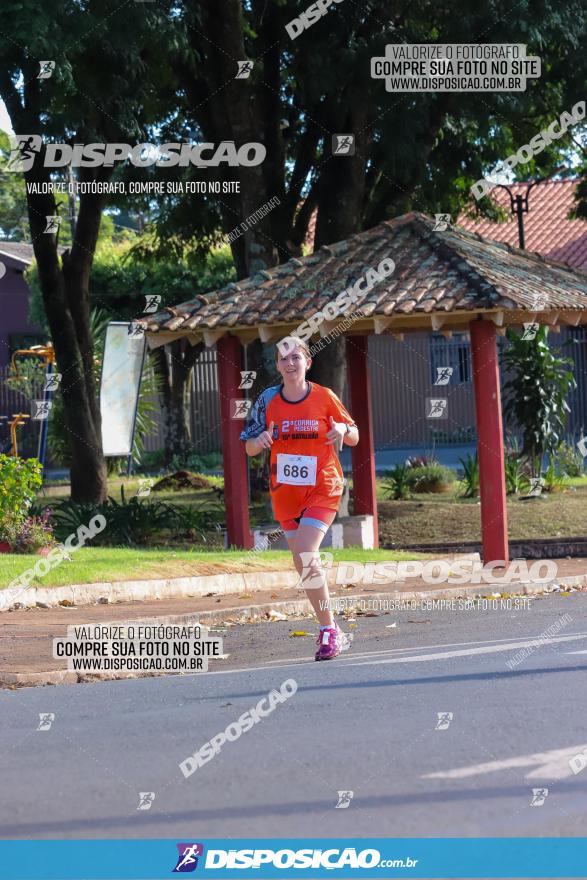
[(66, 299), (340, 208), (236, 113), (174, 386)]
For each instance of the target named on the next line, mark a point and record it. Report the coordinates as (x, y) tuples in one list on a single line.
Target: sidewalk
[(26, 635)]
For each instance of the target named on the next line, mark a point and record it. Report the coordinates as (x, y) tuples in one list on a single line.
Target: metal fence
[(204, 408)]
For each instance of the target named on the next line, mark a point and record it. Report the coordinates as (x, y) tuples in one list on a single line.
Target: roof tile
[(450, 271)]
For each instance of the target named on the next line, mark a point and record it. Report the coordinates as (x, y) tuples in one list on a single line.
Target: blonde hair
[(288, 343)]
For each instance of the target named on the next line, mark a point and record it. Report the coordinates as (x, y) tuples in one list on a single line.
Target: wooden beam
[(381, 324), (363, 455), (327, 327), (552, 319), (490, 445), (498, 318), (268, 333), (247, 336), (229, 364), (571, 317), (211, 337), (156, 340)]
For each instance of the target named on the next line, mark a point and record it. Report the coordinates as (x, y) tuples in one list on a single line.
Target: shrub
[(552, 480), (418, 461), (396, 482), (137, 521), (19, 480), (208, 461), (570, 460), (535, 395), (36, 532), (516, 479), (430, 478), (470, 478)]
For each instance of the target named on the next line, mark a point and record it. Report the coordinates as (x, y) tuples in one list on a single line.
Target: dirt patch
[(182, 480)]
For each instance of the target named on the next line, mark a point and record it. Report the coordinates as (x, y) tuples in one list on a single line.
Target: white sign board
[(124, 352)]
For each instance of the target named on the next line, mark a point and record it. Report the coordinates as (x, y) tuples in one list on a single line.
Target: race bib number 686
[(296, 470)]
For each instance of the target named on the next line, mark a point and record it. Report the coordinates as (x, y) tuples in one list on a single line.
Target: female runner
[(304, 425)]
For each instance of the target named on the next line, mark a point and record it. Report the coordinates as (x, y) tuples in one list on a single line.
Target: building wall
[(14, 306), (401, 383)]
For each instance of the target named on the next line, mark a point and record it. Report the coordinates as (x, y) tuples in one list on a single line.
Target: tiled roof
[(547, 228), (451, 272)]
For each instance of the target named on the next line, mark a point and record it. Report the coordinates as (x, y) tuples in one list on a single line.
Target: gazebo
[(444, 281)]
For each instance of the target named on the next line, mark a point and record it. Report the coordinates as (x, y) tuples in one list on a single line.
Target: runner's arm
[(342, 416), (256, 436)]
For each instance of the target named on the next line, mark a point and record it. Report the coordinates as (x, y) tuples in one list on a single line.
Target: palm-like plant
[(470, 479)]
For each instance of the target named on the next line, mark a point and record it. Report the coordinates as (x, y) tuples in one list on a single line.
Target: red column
[(363, 455), (236, 493), (494, 518)]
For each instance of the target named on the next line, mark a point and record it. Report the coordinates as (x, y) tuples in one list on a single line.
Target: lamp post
[(519, 207), (519, 204)]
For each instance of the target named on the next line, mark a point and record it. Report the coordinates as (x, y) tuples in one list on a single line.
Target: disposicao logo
[(187, 860), (25, 148)]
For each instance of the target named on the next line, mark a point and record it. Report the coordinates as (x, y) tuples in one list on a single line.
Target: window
[(454, 353)]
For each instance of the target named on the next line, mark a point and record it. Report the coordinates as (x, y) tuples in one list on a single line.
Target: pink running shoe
[(331, 642)]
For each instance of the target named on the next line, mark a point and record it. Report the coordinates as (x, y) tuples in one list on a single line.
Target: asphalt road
[(366, 723)]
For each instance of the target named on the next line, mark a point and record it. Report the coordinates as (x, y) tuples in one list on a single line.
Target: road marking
[(421, 658), (549, 765), (403, 650), (489, 649)]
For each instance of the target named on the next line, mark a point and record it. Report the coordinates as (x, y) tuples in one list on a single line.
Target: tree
[(535, 395), (13, 210), (106, 88), (412, 151), (126, 275)]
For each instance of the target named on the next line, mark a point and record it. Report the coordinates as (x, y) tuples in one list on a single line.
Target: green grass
[(426, 518), (102, 564)]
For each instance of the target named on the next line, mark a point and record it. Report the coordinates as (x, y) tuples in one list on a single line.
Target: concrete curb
[(195, 587), (138, 591), (248, 614)]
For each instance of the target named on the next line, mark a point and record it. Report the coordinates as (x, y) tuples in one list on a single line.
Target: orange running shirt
[(304, 471)]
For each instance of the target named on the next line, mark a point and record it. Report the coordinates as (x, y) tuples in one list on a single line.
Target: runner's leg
[(305, 548)]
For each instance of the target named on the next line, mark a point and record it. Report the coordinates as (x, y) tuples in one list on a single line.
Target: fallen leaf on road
[(207, 595), (390, 625), (246, 596), (298, 632), (419, 621)]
